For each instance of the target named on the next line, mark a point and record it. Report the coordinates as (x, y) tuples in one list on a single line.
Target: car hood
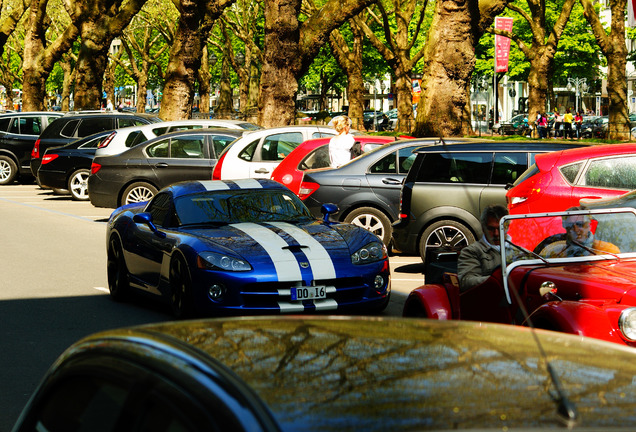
[(396, 374), (603, 280), (325, 247)]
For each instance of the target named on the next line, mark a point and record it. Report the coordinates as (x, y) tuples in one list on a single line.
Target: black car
[(367, 189), (68, 167), (138, 173), (333, 374), (449, 185), (18, 133), (76, 125)]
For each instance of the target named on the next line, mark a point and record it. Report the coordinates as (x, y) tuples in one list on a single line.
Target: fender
[(432, 300), (577, 318)]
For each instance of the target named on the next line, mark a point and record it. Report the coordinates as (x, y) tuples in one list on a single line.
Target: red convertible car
[(579, 279)]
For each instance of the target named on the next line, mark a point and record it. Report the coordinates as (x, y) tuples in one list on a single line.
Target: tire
[(372, 220), (8, 170), (117, 271), (138, 192), (181, 289), (445, 233), (78, 185)]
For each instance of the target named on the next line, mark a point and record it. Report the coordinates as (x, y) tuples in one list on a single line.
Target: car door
[(386, 174), (180, 158), (506, 168), (21, 135), (270, 150)]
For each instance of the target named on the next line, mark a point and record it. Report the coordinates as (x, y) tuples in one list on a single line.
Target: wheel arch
[(448, 213), (361, 204), (120, 194), (9, 153), (432, 300)]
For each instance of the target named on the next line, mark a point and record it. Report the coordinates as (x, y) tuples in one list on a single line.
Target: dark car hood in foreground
[(394, 374)]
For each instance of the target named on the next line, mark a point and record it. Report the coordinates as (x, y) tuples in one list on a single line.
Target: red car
[(558, 180), (584, 287), (314, 153)]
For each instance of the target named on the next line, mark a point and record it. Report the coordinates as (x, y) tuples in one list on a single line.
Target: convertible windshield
[(234, 206), (571, 234)]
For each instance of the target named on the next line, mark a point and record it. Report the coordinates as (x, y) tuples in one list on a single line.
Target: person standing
[(542, 124), (578, 124), (558, 122), (340, 145), (568, 118)]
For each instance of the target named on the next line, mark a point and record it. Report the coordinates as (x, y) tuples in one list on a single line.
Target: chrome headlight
[(372, 252), (216, 261), (627, 323)]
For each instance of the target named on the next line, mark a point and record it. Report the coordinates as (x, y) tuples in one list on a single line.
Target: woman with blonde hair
[(340, 145)]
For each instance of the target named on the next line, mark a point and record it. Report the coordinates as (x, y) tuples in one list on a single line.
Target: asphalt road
[(53, 287)]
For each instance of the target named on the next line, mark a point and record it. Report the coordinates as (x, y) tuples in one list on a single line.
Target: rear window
[(570, 171), (612, 173), (90, 126), (135, 138), (455, 168), (68, 130)]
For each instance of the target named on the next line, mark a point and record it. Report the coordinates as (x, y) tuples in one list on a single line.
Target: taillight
[(306, 189), (35, 153), (48, 158), (107, 141), (216, 174), (95, 167)]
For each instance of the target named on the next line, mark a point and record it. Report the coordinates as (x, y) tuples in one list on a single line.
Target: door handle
[(391, 181), (161, 165), (262, 171)]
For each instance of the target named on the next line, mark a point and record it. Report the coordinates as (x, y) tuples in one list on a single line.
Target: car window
[(135, 138), (619, 173), (406, 158), (68, 131), (185, 127), (247, 154), (26, 126), (188, 147), (318, 158), (90, 126), (125, 122), (161, 210), (160, 130), (159, 149), (219, 143), (322, 135), (4, 124), (571, 171), (386, 165), (276, 147), (455, 168), (508, 167)]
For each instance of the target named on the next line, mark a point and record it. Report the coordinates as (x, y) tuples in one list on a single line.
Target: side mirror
[(327, 210), (146, 219)]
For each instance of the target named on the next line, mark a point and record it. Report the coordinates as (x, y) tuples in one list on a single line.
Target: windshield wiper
[(594, 251)]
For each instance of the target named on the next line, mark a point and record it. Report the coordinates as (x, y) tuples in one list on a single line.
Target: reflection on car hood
[(396, 374)]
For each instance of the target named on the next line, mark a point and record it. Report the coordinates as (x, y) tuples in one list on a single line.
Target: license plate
[(308, 293)]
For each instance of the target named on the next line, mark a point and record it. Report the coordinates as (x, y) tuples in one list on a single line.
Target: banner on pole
[(502, 44)]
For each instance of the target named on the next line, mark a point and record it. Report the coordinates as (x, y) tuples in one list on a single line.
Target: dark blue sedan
[(244, 246)]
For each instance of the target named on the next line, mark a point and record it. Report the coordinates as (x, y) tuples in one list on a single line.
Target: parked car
[(517, 125), (76, 125), (68, 167), (257, 154), (559, 180), (566, 284), (244, 246), (18, 133), (367, 189), (138, 173), (333, 374), (314, 153), (125, 138), (448, 185)]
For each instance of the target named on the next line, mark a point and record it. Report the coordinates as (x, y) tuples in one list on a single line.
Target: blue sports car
[(244, 246)]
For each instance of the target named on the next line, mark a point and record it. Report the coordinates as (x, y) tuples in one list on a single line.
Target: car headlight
[(627, 323), (374, 251), (217, 261)]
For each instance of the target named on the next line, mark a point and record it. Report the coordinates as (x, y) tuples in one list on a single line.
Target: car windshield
[(579, 235), (235, 206)]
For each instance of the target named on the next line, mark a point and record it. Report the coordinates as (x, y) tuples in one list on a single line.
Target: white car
[(122, 139), (256, 154)]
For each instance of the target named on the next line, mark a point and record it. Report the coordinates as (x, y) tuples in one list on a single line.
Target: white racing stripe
[(213, 185), (319, 259), (248, 183), (285, 263)]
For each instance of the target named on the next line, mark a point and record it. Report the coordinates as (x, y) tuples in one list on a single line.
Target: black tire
[(372, 220), (181, 289), (78, 185), (8, 170), (138, 192), (117, 271), (445, 233)]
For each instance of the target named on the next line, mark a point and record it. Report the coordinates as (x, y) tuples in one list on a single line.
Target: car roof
[(487, 145), (184, 188), (346, 373), (563, 157), (31, 113)]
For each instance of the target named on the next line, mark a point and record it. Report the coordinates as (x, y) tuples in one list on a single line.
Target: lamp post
[(578, 85)]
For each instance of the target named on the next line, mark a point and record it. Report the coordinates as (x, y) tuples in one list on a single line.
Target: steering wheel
[(549, 240)]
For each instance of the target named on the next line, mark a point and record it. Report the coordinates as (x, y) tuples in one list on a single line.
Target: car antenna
[(565, 408)]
